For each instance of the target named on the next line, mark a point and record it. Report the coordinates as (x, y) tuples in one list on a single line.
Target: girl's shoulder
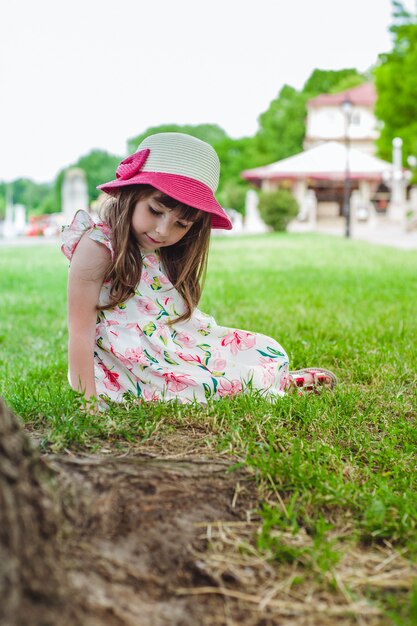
[(81, 224)]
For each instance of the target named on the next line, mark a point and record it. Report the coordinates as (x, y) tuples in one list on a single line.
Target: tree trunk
[(94, 540), (31, 582)]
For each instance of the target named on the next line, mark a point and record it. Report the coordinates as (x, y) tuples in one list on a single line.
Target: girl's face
[(156, 226)]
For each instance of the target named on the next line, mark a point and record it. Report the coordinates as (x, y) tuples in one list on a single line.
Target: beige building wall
[(328, 123)]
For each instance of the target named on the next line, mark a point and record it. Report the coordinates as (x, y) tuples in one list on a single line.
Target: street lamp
[(347, 108)]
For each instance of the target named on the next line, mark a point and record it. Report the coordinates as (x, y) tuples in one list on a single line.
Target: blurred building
[(339, 155), (326, 119)]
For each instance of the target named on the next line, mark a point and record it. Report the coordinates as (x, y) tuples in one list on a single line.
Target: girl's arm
[(88, 268)]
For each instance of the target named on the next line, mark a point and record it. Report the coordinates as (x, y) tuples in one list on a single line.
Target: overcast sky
[(90, 74)]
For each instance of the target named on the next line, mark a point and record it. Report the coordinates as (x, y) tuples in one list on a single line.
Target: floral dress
[(137, 353)]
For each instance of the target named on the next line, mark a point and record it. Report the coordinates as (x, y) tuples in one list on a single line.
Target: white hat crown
[(183, 155)]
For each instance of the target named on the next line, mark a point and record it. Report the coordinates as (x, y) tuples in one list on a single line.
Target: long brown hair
[(185, 262)]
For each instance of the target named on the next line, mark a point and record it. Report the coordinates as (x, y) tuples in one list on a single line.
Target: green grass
[(347, 457)]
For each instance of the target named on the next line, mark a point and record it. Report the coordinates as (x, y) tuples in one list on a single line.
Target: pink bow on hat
[(132, 164)]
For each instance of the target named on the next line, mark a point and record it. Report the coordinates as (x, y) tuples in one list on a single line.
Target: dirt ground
[(136, 524), (164, 534)]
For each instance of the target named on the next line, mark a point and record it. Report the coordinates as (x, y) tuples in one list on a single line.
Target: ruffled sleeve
[(83, 223)]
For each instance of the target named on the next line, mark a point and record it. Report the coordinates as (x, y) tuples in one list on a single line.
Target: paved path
[(393, 236), (29, 241), (396, 239)]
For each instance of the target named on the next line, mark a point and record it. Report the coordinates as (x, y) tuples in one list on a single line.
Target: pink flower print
[(111, 379), (136, 355), (269, 367), (136, 327), (147, 306), (113, 323), (156, 350), (120, 357), (105, 228), (147, 279), (151, 260), (185, 340), (149, 395), (162, 332), (164, 280), (229, 387), (239, 340), (178, 382), (120, 311), (189, 358), (285, 380), (219, 364)]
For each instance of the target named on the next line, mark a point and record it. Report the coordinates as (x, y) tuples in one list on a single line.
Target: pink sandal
[(322, 379)]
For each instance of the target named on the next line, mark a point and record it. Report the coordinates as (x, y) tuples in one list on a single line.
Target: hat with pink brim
[(179, 165)]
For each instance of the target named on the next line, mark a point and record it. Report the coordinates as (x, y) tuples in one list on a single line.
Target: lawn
[(339, 469)]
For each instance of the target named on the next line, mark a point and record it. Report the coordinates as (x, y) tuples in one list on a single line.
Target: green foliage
[(278, 208), (332, 81), (2, 200), (48, 205), (58, 188), (235, 156), (351, 81), (211, 133), (401, 610), (396, 85), (282, 126), (232, 195), (33, 196)]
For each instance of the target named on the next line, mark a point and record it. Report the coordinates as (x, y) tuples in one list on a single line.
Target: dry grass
[(305, 594)]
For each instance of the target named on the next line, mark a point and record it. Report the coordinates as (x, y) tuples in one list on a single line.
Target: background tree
[(332, 81), (3, 193), (396, 85), (282, 126), (211, 133), (278, 208), (34, 196), (235, 156)]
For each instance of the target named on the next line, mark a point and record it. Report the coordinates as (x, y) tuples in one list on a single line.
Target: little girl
[(135, 282)]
